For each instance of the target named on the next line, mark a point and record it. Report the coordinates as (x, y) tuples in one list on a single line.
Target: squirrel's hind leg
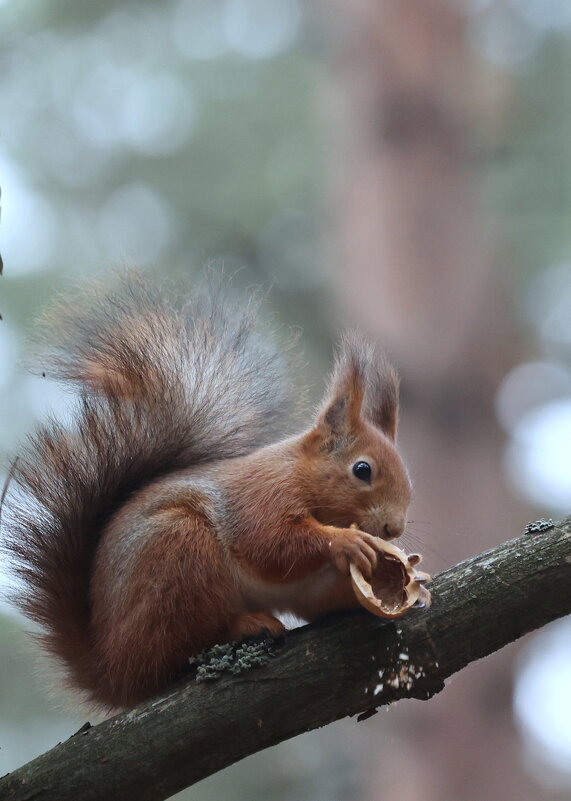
[(250, 624)]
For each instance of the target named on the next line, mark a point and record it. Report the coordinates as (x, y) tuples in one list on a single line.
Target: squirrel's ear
[(342, 408), (363, 387)]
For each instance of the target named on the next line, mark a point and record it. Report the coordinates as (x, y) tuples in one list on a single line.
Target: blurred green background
[(237, 133)]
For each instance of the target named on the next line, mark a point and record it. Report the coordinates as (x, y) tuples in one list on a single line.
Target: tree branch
[(344, 665)]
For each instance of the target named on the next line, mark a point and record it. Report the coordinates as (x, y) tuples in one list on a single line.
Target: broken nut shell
[(396, 584)]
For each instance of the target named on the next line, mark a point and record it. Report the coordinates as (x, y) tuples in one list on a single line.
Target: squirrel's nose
[(393, 530), (384, 523)]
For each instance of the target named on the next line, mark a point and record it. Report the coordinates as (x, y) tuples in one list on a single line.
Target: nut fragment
[(396, 584)]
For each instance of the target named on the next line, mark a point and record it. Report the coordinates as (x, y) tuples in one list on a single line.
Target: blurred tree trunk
[(415, 267)]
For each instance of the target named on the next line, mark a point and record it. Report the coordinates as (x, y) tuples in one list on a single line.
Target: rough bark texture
[(345, 665)]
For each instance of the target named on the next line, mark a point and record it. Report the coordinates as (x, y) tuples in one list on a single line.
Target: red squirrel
[(166, 517)]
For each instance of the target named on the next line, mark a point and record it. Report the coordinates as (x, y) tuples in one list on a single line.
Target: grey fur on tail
[(160, 387)]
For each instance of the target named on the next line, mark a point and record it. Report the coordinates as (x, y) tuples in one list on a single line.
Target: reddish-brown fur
[(169, 524)]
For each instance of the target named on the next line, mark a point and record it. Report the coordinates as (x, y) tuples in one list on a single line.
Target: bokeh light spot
[(135, 224), (542, 702), (261, 28), (537, 458)]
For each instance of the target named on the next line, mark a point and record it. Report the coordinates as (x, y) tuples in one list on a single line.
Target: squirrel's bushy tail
[(159, 389)]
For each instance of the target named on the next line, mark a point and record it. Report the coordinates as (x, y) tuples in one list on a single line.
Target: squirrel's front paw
[(349, 545)]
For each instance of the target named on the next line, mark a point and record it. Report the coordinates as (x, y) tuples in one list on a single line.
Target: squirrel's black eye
[(362, 470)]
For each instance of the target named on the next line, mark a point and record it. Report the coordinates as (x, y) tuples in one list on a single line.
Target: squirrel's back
[(159, 388)]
